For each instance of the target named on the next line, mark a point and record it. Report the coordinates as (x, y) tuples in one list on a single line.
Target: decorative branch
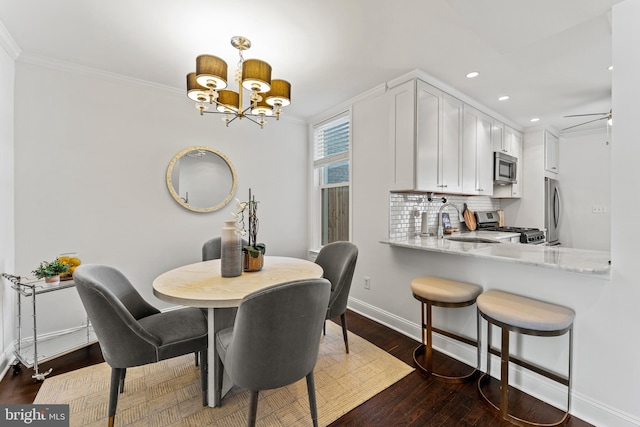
[(249, 225)]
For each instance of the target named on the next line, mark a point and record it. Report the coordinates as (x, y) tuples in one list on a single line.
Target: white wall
[(606, 386), (91, 157), (7, 297), (585, 181), (619, 312), (111, 142)]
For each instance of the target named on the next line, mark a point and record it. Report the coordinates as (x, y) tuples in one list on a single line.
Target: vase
[(252, 264), (230, 251), (53, 280)]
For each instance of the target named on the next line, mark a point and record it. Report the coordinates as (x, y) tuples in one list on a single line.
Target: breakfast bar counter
[(556, 257)]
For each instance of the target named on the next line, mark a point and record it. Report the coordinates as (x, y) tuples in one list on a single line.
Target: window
[(331, 166)]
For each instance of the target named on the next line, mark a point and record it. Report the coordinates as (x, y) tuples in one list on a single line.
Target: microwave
[(504, 169)]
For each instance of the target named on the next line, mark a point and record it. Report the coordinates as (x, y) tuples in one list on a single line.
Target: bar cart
[(31, 352)]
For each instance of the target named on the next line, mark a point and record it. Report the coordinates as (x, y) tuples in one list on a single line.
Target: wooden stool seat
[(525, 313), (444, 291), (435, 291), (527, 316)]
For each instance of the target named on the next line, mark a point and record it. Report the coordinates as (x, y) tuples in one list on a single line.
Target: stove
[(489, 221)]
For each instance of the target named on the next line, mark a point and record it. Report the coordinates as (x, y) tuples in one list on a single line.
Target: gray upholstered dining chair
[(338, 260), (275, 340), (211, 249), (132, 332)]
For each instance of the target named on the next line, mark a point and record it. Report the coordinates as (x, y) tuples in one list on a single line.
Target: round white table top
[(201, 285)]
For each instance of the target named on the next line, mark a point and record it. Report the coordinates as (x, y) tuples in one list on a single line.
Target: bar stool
[(527, 316), (434, 291)]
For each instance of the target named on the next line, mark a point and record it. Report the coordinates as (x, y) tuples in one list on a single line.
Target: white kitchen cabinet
[(499, 141), (514, 141), (516, 151), (426, 139), (402, 136), (477, 152), (551, 152), (439, 140)]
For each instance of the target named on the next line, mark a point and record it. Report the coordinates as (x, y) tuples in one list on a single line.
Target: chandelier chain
[(238, 75)]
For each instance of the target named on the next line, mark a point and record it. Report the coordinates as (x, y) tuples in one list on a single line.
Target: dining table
[(201, 285)]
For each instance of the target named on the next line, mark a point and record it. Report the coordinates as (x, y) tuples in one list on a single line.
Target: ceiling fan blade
[(592, 114), (590, 121)]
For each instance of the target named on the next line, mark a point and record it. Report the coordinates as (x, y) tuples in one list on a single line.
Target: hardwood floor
[(419, 401), (21, 388), (413, 401)]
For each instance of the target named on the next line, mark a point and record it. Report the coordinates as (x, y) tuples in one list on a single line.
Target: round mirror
[(201, 179)]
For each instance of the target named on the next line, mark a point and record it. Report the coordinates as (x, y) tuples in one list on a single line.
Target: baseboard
[(385, 318), (600, 414), (583, 407), (6, 361)]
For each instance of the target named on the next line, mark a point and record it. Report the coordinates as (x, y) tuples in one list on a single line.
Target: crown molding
[(57, 64), (346, 105), (428, 78), (8, 43)]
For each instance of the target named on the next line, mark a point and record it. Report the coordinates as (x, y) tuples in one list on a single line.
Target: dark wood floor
[(413, 401)]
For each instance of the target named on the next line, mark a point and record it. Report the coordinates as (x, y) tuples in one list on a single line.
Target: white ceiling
[(549, 56)]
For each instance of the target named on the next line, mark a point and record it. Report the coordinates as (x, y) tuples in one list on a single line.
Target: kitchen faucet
[(442, 208)]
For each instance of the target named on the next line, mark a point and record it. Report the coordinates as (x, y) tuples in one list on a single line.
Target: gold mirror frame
[(184, 201)]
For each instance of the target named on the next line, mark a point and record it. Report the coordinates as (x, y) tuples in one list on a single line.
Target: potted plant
[(51, 271), (247, 217)]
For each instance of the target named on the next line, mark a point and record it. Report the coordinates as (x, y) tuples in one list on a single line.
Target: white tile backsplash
[(405, 211)]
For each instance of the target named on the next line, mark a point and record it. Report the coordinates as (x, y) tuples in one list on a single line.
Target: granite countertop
[(557, 257), (493, 235)]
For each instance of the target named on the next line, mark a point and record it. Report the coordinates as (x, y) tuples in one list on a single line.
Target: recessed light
[(503, 98), (610, 67), (473, 74), (535, 119)]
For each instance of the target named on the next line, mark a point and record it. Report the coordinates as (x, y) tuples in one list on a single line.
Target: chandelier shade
[(196, 92), (228, 101), (211, 72), (262, 108), (256, 75), (280, 93), (206, 86)]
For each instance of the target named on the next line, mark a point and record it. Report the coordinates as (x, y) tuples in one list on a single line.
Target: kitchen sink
[(471, 239)]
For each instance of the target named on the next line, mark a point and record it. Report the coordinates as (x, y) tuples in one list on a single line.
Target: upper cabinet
[(515, 139), (402, 136), (477, 152), (498, 140), (440, 144), (439, 140), (551, 150), (426, 139)]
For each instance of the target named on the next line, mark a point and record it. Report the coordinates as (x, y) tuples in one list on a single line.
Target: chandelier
[(207, 86)]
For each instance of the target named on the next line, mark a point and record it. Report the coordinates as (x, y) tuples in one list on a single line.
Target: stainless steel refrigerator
[(552, 210)]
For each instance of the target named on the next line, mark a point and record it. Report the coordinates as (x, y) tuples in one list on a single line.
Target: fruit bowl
[(72, 260)]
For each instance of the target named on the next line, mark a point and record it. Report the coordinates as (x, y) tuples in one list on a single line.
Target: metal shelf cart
[(33, 351)]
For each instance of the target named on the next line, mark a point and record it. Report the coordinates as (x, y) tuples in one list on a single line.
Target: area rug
[(168, 393)]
